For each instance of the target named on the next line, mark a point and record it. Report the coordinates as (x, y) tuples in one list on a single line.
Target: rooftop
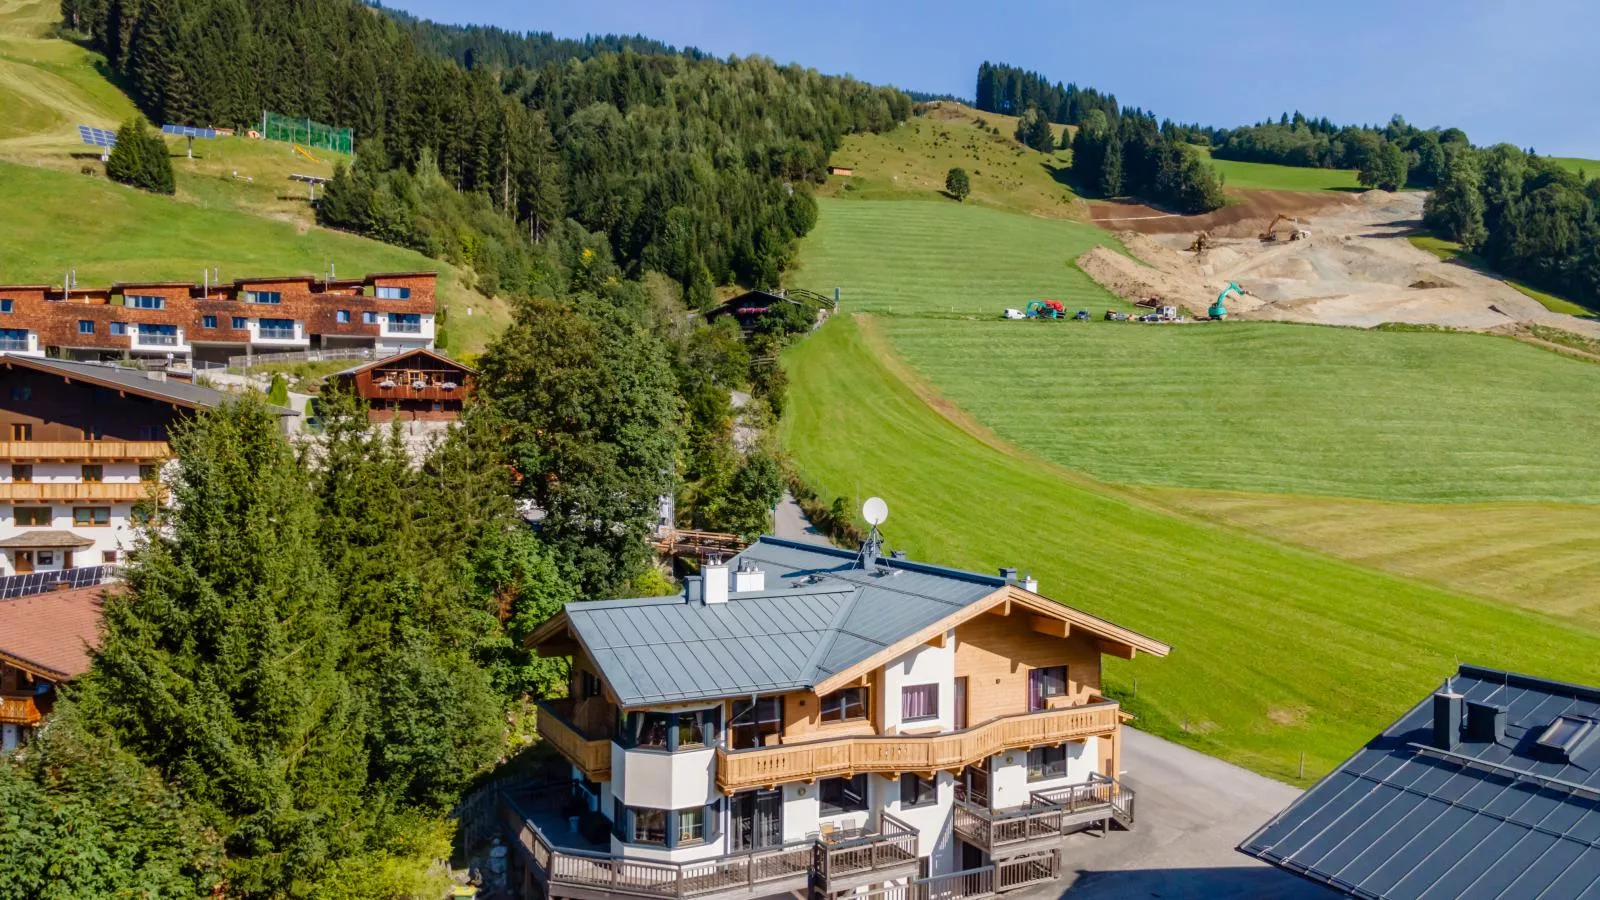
[(1508, 806), (819, 614), (136, 381), (395, 358), (50, 633)]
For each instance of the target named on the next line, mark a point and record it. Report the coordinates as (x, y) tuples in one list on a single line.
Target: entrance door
[(66, 559), (971, 857), (24, 561), (757, 820), (961, 703)]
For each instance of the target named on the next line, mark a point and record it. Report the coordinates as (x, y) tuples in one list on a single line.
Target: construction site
[(1331, 259)]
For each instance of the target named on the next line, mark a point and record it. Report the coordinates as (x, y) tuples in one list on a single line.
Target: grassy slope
[(1242, 406), (59, 219), (1268, 177), (1588, 168), (1277, 651), (1450, 251), (911, 162)]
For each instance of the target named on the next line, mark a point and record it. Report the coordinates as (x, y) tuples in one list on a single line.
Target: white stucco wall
[(924, 665), (800, 811), (1008, 773), (932, 822)]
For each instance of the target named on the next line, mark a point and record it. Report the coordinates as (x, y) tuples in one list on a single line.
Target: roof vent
[(693, 588), (156, 375), (1030, 584), (1446, 720), (1486, 723), (897, 554), (748, 577), (1009, 573), (1567, 737)]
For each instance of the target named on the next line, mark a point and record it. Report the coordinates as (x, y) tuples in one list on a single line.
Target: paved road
[(1192, 810), (789, 523)]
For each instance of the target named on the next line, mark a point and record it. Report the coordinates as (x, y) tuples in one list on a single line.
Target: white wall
[(117, 536), (661, 780), (1008, 779), (932, 822), (800, 811), (924, 665)]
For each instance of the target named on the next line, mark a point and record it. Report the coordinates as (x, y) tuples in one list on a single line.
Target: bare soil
[(1356, 269)]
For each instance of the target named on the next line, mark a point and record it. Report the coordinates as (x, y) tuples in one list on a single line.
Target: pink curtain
[(919, 701)]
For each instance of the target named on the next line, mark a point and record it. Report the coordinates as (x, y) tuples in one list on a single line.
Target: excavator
[(1202, 242), (1295, 232), (1219, 309)]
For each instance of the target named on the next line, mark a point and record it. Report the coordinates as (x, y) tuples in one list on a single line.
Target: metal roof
[(818, 614), (1407, 818), (136, 380)]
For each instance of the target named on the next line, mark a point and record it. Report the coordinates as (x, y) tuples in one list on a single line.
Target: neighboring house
[(841, 170), (790, 308), (44, 640), (81, 449), (807, 716), (385, 312), (1489, 787), (415, 385)]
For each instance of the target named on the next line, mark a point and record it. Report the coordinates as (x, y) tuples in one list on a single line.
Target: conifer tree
[(140, 158)]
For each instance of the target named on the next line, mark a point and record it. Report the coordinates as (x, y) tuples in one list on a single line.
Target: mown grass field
[(1276, 650), (58, 221), (1589, 168), (1250, 176), (911, 162), (1450, 251)]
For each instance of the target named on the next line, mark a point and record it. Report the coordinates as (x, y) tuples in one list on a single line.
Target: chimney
[(1486, 723), (715, 573), (1030, 584), (692, 588), (1009, 574), (1446, 720), (897, 554), (748, 578)]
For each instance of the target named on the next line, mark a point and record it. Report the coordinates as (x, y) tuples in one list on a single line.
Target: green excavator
[(1219, 309)]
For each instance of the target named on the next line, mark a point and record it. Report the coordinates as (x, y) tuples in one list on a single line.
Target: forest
[(1010, 91)]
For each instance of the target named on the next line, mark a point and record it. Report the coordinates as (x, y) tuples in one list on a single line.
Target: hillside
[(1252, 176)]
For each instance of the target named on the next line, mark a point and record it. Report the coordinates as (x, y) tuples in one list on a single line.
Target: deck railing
[(592, 754), (888, 754), (73, 451), (894, 844), (110, 491), (18, 709), (1099, 792), (1049, 814)]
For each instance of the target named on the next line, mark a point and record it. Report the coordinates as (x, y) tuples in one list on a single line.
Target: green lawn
[(1588, 168), (58, 221), (1276, 650), (1268, 177), (1450, 251)]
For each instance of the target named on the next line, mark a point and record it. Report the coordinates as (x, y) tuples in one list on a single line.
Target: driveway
[(1192, 810), (790, 523)]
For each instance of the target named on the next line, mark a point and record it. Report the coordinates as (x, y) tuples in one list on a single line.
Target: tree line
[(1011, 91), (1131, 156), (491, 47), (1318, 143)]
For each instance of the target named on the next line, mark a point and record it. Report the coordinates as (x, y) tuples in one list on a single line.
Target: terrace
[(1048, 817)]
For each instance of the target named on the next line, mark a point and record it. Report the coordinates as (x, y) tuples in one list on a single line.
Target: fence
[(294, 356), (306, 133)]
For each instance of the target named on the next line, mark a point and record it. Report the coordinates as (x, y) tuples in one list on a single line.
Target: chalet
[(793, 309), (45, 639), (804, 716), (414, 385), (1486, 788), (82, 445)]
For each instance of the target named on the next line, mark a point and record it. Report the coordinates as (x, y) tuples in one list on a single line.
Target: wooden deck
[(1048, 817), (85, 451)]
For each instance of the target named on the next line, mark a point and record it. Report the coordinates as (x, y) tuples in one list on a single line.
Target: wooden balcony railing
[(87, 451), (19, 710), (589, 753), (106, 491), (739, 770), (1049, 815)]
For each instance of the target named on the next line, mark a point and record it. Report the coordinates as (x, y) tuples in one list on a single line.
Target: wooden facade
[(414, 385), (45, 417)]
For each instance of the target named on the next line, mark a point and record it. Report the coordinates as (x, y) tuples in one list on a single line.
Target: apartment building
[(82, 447), (807, 718), (417, 385), (45, 640), (387, 312)]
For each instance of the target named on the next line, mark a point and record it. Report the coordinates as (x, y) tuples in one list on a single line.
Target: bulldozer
[(1295, 232), (1202, 243)]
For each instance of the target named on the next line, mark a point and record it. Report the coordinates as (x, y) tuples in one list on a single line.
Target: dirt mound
[(1133, 282), (1246, 214), (1429, 284)]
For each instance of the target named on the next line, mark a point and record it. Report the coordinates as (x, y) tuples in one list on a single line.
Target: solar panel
[(12, 586), (97, 137), (189, 131)]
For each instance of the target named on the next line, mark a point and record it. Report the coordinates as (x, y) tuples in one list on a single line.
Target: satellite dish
[(875, 511)]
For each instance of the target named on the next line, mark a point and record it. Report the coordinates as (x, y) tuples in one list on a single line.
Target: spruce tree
[(140, 158)]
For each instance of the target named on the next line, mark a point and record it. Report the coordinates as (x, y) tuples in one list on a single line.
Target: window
[(22, 473), (13, 338), (342, 317), (649, 826), (369, 318), (591, 684), (138, 301), (1044, 683), (21, 431), (276, 329), (34, 515), (119, 327), (86, 516), (86, 326), (47, 557), (108, 557), (95, 473), (21, 392), (842, 795), (919, 701), (917, 791), (394, 293), (672, 731), (263, 297), (845, 705), (690, 827), (664, 827), (1047, 762), (142, 512), (147, 472), (409, 323), (239, 323), (755, 820), (208, 321), (752, 723), (6, 304)]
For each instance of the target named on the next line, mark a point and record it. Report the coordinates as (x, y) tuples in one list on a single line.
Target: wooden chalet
[(418, 385)]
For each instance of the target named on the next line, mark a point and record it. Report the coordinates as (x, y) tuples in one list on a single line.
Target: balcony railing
[(19, 710), (156, 339), (73, 451), (1048, 816), (126, 491), (739, 770), (590, 754), (404, 327), (275, 334), (15, 345)]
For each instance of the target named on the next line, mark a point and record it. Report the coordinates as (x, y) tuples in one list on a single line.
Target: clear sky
[(1522, 71)]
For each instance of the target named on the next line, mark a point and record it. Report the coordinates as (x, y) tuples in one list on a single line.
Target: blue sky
[(1523, 71)]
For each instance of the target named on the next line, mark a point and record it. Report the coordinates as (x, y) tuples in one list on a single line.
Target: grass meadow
[(1252, 176)]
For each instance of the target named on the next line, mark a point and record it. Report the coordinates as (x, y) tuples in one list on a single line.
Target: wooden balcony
[(73, 491), (19, 709), (1048, 817), (591, 754), (84, 451), (739, 770)]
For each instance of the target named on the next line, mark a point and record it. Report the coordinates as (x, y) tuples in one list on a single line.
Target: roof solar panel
[(12, 586)]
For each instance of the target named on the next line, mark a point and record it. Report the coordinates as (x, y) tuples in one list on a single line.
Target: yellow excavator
[(1295, 231), (1202, 242)]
